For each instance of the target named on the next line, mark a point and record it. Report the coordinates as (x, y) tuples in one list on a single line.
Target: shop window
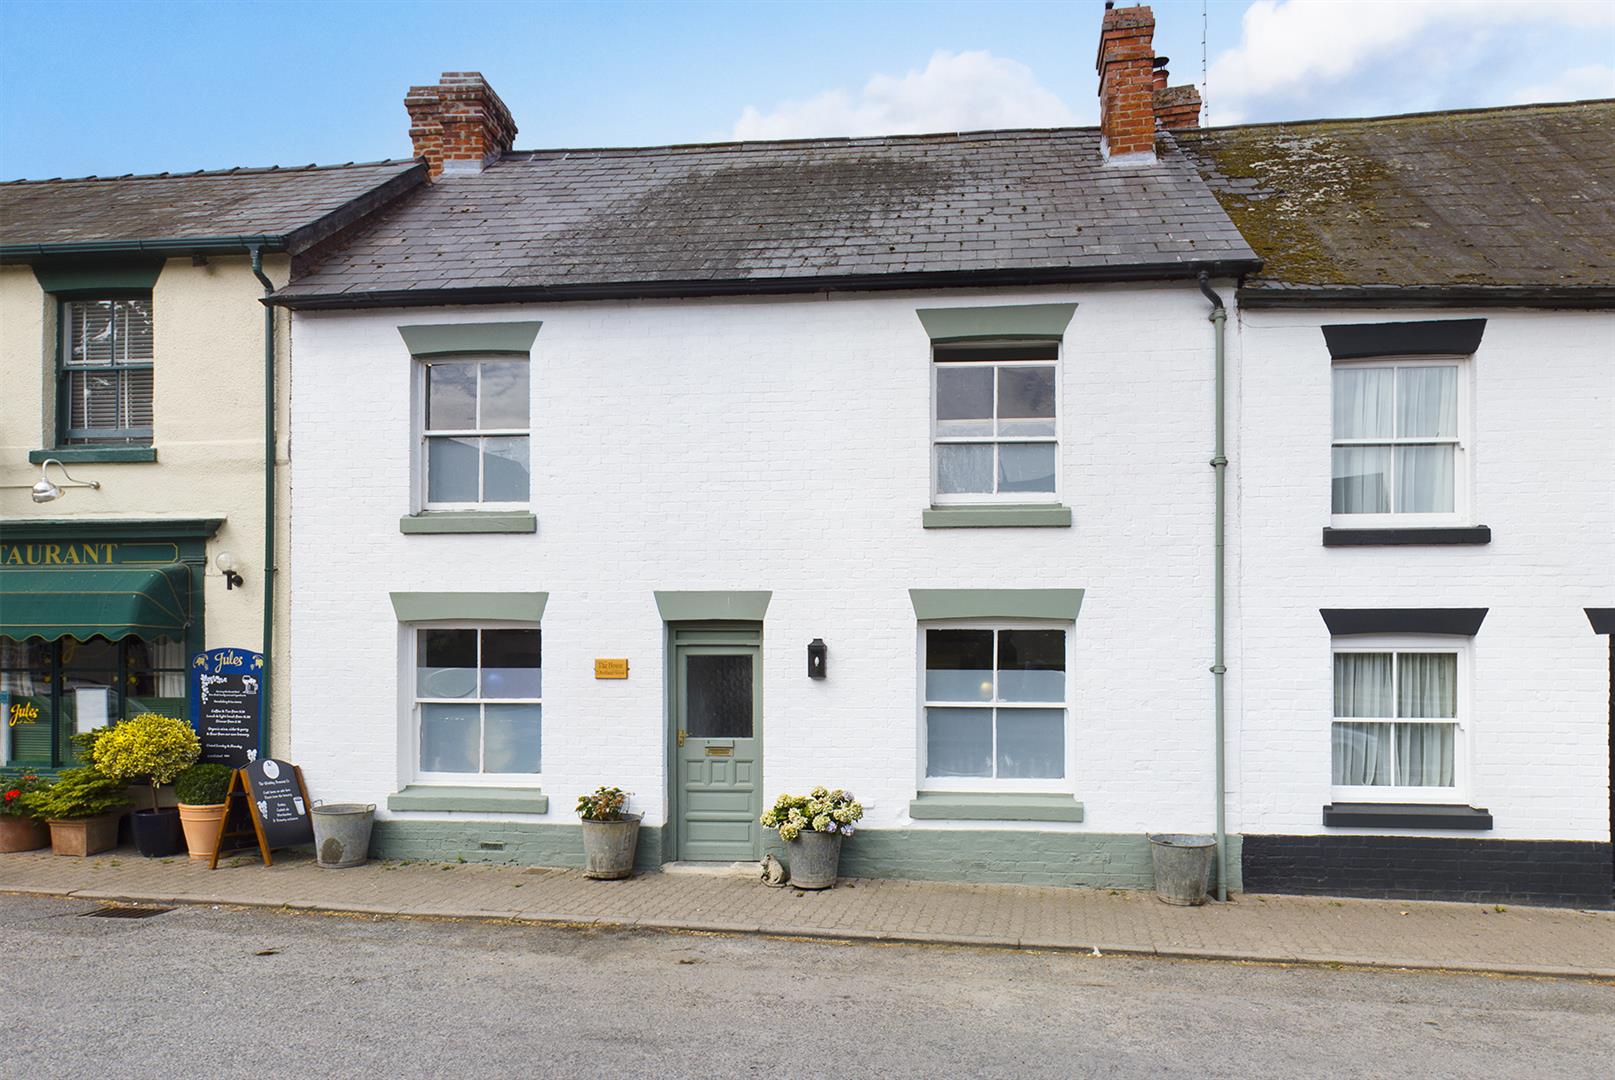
[(474, 428), (51, 689), (105, 373), (478, 702), (994, 713)]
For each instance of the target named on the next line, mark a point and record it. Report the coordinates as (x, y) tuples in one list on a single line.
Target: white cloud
[(1305, 48), (1575, 84), (956, 92)]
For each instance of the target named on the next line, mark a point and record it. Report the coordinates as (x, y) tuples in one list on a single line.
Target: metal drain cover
[(125, 912)]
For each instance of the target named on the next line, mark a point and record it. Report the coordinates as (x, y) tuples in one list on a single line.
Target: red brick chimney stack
[(1126, 67), (1134, 98), (1176, 107), (459, 125)]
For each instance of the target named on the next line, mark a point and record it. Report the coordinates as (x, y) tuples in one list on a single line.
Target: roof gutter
[(646, 290), (169, 246), (1564, 297)]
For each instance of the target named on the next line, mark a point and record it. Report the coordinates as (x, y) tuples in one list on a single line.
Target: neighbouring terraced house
[(1045, 488), (138, 488)]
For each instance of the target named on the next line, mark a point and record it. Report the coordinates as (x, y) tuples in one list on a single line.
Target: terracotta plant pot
[(201, 825), (22, 833), (84, 836)]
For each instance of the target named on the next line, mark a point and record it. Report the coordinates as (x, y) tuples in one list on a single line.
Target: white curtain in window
[(1362, 752), (1427, 402), (170, 654), (1424, 755), (1363, 402), (14, 655)]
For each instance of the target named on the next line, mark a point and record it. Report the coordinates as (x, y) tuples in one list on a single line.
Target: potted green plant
[(20, 830), (154, 748), (813, 825), (82, 807), (201, 791), (609, 834)]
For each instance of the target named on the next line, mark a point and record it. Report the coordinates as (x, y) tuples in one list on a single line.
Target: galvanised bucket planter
[(608, 847), (1182, 867), (342, 834), (815, 857)]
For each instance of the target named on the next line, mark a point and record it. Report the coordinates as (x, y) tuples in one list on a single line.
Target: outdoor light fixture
[(46, 490), (817, 655), (226, 563)]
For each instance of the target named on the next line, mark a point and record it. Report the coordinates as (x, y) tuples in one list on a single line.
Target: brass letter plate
[(611, 669), (720, 751)]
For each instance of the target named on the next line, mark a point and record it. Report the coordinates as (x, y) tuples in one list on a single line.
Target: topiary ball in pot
[(154, 748), (201, 791)]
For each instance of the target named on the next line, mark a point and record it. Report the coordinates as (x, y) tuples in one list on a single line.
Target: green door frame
[(679, 634)]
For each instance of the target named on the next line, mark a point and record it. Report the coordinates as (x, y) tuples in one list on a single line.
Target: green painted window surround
[(439, 339), (99, 277), (1025, 516), (503, 607), (993, 806), (469, 521), (93, 455), (931, 604), (1042, 321), (700, 606), (470, 800)]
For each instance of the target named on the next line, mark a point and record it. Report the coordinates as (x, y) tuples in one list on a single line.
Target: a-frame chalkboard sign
[(273, 799)]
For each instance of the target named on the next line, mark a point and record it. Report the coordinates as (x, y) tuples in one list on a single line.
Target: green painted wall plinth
[(986, 856), (522, 843)]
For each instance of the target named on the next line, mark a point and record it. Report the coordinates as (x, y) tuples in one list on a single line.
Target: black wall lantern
[(817, 655)]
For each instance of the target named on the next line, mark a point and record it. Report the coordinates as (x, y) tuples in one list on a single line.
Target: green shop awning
[(113, 601)]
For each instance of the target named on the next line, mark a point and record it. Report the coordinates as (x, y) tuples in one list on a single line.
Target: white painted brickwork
[(776, 444), (1543, 460), (782, 444)]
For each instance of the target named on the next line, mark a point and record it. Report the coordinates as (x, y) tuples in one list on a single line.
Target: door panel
[(718, 699)]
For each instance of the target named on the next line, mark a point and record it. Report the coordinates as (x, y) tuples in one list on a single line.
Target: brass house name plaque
[(610, 669)]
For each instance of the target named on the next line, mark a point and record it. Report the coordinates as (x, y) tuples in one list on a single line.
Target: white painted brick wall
[(774, 444), (1543, 457)]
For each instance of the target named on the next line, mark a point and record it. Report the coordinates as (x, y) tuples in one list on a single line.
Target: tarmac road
[(202, 992)]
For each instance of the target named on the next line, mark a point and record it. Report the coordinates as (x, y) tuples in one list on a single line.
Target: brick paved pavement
[(1286, 929)]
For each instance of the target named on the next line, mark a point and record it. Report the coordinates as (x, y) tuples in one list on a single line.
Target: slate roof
[(781, 216), (273, 202), (1509, 202)]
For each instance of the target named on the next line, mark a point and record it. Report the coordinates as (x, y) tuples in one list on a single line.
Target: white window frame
[(423, 438), (1458, 793), (1017, 498), (1462, 479), (1065, 784), (413, 702)]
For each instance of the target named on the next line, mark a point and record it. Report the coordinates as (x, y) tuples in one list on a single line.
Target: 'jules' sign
[(226, 704)]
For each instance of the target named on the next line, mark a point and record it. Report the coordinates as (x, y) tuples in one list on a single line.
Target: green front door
[(717, 786)]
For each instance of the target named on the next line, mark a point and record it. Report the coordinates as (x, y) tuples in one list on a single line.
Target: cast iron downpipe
[(1219, 465), (269, 501)]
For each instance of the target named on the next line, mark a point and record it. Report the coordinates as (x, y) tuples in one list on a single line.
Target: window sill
[(1034, 516), (93, 455), (1473, 534), (993, 806), (469, 521), (1406, 816), (478, 800)]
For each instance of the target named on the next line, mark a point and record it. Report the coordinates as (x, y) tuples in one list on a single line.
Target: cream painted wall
[(208, 433)]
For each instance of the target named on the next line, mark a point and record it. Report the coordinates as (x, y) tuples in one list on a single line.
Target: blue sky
[(107, 88)]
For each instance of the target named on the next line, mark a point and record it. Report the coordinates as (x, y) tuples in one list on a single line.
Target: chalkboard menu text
[(225, 704)]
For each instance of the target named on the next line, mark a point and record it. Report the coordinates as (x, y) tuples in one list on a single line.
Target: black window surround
[(1452, 622), (1462, 534), (1602, 618), (1406, 816), (1435, 337)]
